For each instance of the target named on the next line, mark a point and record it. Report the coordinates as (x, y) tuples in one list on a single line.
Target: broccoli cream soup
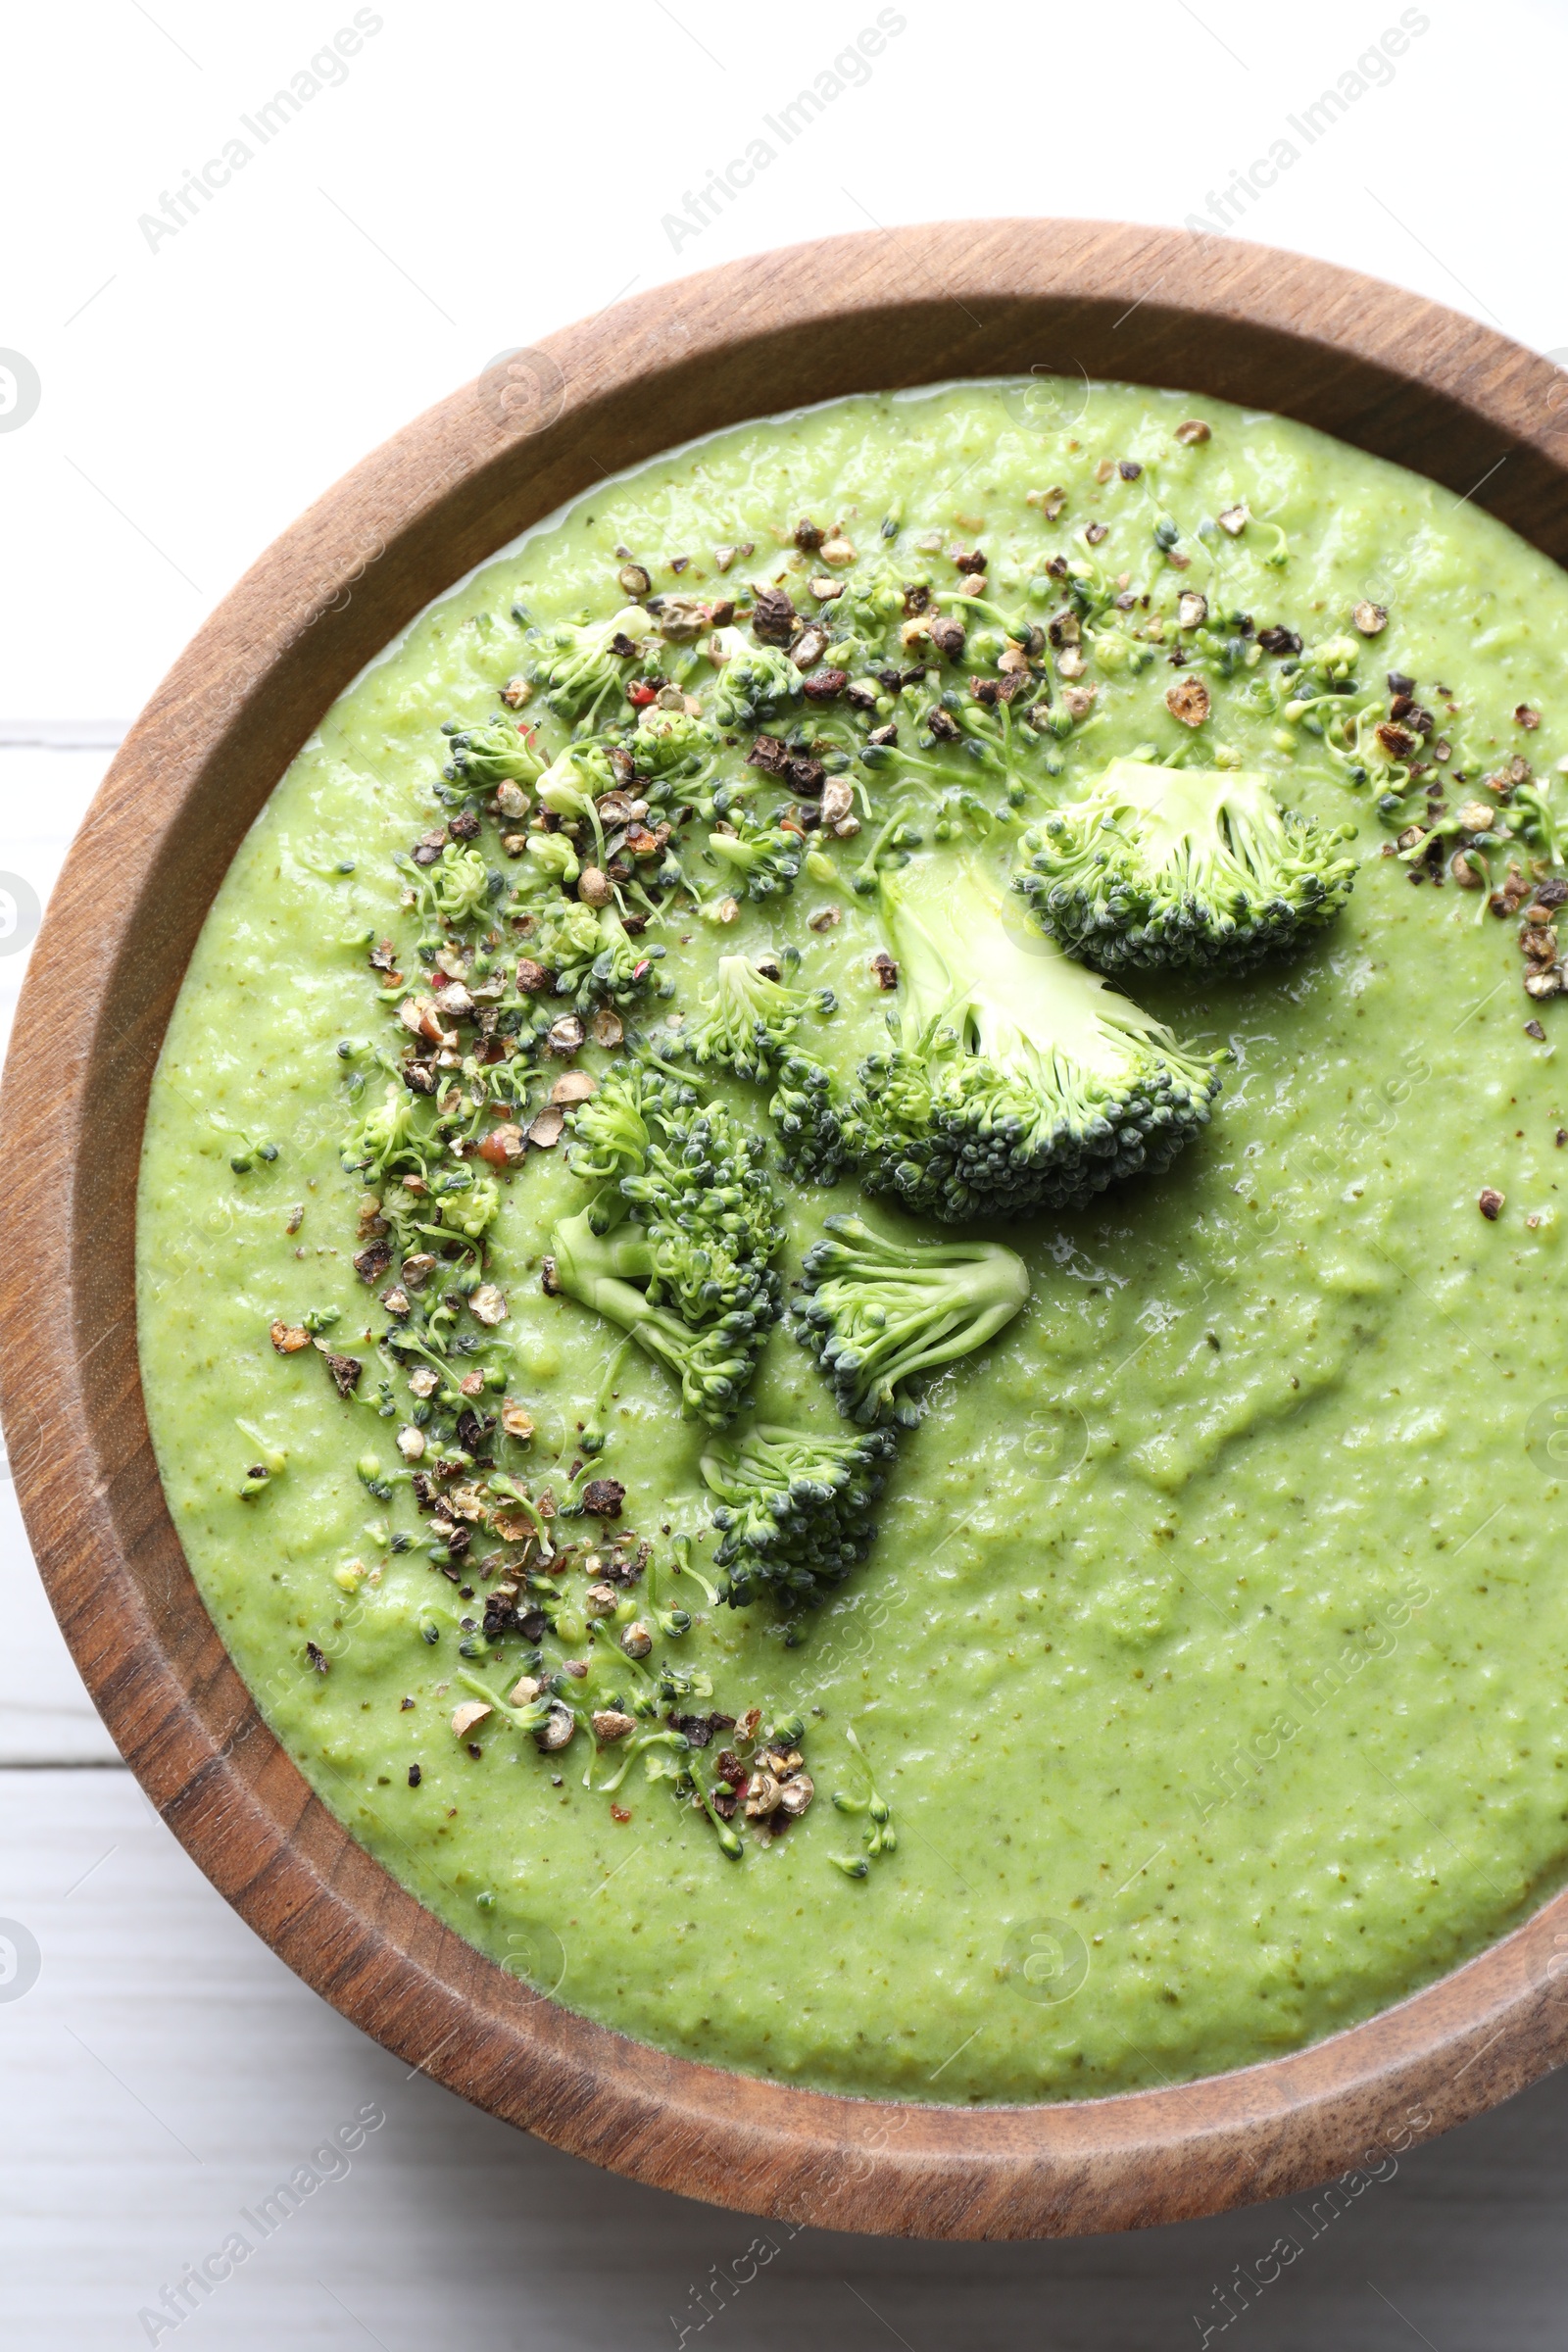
[(851, 1241)]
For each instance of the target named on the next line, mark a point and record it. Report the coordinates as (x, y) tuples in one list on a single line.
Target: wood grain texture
[(166, 2072), (1386, 370)]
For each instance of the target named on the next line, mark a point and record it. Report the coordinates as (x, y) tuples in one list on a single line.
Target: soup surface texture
[(1203, 1690)]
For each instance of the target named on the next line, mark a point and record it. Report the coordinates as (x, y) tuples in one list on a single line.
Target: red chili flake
[(620, 1813), (641, 693)]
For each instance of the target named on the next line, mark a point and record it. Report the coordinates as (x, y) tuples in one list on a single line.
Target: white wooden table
[(162, 2073)]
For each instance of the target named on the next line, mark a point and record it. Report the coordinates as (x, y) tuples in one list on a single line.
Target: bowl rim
[(1384, 370)]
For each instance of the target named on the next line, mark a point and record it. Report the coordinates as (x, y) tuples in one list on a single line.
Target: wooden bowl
[(1383, 370)]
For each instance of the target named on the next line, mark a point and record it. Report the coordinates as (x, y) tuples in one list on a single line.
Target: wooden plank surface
[(165, 2073)]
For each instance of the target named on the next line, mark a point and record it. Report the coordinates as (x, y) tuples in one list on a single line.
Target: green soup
[(1210, 1662)]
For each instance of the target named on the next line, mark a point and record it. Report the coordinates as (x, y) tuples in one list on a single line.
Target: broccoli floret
[(498, 753), (713, 1363), (1162, 867), (565, 940), (624, 970), (469, 1209), (385, 1138), (703, 1188), (613, 1131), (584, 664), (793, 1509), (809, 1110), (746, 1024), (1018, 1079), (569, 789), (456, 889), (699, 1278), (688, 1210), (764, 864), (862, 620), (594, 957), (878, 1314), (756, 682), (554, 857), (672, 743)]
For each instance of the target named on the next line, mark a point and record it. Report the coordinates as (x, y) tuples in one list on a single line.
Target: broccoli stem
[(506, 1490), (595, 1437), (683, 1567), (864, 879), (630, 1751), (530, 1718)]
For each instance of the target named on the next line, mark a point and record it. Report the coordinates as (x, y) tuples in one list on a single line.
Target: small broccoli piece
[(697, 1189), (1160, 868), (594, 957), (793, 1509), (1018, 1079), (877, 1314), (756, 682), (553, 856), (704, 1189), (613, 1130), (688, 1213), (584, 664), (467, 1210), (568, 788), (456, 889), (713, 1363), (700, 1281), (1333, 661), (746, 1024), (764, 864), (501, 752), (565, 940), (624, 970), (808, 1110), (385, 1138), (672, 742), (865, 616)]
